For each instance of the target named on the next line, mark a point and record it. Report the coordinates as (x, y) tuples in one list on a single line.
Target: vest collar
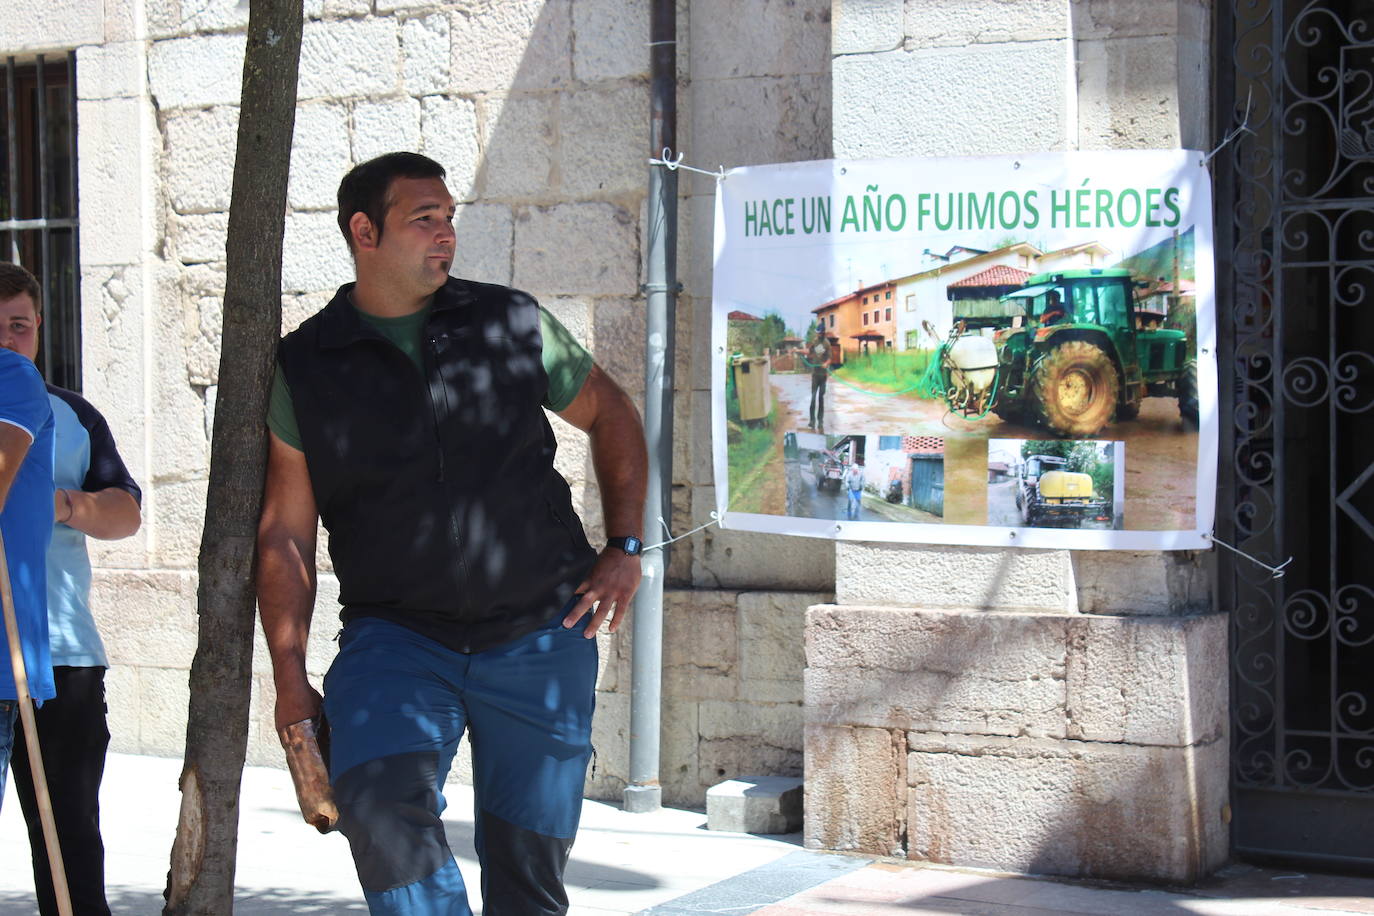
[(340, 324)]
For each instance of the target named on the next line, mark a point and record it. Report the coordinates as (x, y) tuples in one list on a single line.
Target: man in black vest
[(408, 417)]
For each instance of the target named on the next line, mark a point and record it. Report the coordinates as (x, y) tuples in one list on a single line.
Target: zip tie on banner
[(1275, 572), (715, 520), (1244, 128), (673, 163)]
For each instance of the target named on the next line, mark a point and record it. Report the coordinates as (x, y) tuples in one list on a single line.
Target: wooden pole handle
[(40, 779)]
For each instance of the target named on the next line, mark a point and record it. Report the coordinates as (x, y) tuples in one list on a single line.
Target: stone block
[(163, 700), (1154, 681), (146, 618), (111, 179), (960, 23), (985, 578), (1127, 18), (611, 738), (197, 71), (199, 148), (1120, 101), (680, 763), (1083, 809), (601, 142), (756, 804), (448, 135), (772, 635), (855, 798), (998, 674), (700, 646), (425, 54), (574, 313), (738, 755), (697, 274), (342, 8), (112, 326), (581, 248), (971, 117), (199, 237), (519, 139), (314, 255), (798, 37), (612, 40), (385, 126), (52, 26), (178, 518), (760, 726), (392, 6), (485, 234), (760, 119), (699, 467), (618, 343), (320, 156), (213, 15), (520, 44), (724, 558), (868, 25), (121, 704), (114, 70), (349, 57), (1173, 583)]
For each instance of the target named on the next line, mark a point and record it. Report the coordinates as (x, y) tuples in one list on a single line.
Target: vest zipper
[(437, 392)]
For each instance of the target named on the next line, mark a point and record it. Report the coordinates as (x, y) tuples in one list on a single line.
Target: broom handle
[(40, 780)]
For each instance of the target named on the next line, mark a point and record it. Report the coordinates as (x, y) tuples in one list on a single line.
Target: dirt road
[(806, 501), (1161, 455)]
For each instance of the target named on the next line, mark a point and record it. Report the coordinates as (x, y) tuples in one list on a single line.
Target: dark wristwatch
[(632, 545)]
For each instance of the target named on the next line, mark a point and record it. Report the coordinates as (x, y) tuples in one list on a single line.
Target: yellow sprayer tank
[(752, 388), (1065, 485)]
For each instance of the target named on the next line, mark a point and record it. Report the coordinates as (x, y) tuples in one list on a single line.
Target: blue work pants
[(398, 703)]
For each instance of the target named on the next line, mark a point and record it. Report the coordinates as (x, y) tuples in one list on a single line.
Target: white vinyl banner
[(1010, 350)]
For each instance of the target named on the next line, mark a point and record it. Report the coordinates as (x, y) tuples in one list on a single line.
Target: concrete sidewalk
[(662, 864)]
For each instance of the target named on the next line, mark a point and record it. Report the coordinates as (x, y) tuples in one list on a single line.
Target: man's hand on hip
[(609, 586)]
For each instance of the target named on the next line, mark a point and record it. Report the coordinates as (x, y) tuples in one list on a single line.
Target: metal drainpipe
[(644, 793)]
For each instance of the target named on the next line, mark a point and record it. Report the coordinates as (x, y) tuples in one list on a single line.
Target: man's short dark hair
[(14, 279), (366, 188)]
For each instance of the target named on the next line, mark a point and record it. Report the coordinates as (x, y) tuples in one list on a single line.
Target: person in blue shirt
[(26, 492), (94, 495)]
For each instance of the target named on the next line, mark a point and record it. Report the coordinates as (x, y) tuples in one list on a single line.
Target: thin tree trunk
[(201, 878)]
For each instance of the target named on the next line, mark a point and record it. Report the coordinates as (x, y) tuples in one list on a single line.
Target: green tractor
[(1071, 354)]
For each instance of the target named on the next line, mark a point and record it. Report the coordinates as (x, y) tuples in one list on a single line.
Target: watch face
[(633, 545)]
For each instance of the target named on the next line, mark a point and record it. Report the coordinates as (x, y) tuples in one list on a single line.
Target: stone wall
[(977, 706), (540, 111)]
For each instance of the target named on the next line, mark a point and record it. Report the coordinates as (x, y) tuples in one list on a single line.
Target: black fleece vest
[(438, 489)]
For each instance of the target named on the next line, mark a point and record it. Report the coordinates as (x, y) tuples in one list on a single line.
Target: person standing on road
[(408, 416), (26, 498), (818, 358), (854, 485), (96, 496)]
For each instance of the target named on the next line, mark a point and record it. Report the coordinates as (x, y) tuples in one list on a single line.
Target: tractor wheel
[(1187, 393), (1074, 389), (1129, 409)]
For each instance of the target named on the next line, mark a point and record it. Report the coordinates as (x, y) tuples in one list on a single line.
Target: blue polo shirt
[(26, 522)]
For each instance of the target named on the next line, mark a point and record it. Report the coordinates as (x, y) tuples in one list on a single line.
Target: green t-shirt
[(566, 363)]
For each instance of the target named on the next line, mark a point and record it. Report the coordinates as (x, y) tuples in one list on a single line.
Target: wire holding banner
[(674, 163), (1275, 572), (715, 520)]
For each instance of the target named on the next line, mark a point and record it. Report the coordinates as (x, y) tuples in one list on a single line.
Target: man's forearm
[(107, 514), (286, 603), (621, 462)]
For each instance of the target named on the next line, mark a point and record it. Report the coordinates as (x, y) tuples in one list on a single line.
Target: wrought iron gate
[(1295, 250)]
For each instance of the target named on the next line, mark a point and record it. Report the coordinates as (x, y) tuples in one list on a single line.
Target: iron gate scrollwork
[(1295, 248)]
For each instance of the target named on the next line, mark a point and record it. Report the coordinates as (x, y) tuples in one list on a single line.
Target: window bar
[(74, 332), (44, 233), (12, 145)]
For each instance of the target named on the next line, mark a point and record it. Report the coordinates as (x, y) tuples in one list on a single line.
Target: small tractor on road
[(1069, 356), (1048, 493)]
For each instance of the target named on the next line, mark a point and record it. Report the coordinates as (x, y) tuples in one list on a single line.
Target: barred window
[(38, 218)]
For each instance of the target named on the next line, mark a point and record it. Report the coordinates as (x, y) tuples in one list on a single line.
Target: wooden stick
[(40, 779)]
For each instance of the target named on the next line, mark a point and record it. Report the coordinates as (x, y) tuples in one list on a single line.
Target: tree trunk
[(201, 878)]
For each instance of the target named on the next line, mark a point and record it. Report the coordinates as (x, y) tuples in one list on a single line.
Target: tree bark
[(201, 877)]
